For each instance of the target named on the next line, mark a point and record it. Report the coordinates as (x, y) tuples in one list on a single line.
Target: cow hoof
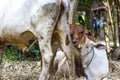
[(51, 78), (44, 77)]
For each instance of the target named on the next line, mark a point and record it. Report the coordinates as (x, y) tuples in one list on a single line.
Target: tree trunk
[(112, 21), (107, 39), (118, 22), (88, 15)]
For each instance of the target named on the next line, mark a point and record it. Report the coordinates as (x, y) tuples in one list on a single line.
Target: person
[(100, 26), (100, 22), (94, 23)]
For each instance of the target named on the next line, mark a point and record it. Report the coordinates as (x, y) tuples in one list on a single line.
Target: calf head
[(80, 35), (77, 33)]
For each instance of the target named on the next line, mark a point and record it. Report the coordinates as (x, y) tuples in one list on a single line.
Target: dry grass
[(20, 70), (30, 70), (114, 69)]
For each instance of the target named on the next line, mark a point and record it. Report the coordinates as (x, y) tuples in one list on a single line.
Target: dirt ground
[(29, 70)]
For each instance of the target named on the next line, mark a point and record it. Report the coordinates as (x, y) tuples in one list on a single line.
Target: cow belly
[(15, 39), (32, 16)]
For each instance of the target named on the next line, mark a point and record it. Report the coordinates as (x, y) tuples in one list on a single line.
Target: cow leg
[(68, 53), (70, 58), (1, 53), (48, 59), (44, 40), (44, 22), (46, 53), (53, 65)]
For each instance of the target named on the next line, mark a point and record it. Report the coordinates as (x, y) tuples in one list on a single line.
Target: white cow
[(94, 57), (24, 20)]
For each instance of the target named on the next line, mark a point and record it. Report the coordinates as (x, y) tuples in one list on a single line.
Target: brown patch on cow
[(62, 9), (67, 40), (100, 46), (55, 41), (27, 36), (24, 40)]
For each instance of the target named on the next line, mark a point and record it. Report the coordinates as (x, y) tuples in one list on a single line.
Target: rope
[(91, 58)]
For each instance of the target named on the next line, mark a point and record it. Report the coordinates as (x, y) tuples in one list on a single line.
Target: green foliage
[(88, 3), (85, 22), (13, 53), (33, 53)]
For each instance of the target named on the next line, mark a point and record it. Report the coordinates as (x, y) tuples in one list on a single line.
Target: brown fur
[(79, 33)]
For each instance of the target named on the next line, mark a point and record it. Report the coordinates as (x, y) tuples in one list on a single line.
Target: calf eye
[(81, 32), (87, 46), (89, 34)]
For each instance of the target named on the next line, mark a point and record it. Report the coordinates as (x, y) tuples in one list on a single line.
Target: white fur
[(38, 17), (98, 67), (62, 63)]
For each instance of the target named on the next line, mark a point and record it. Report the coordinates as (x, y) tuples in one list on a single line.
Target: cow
[(23, 21), (94, 57)]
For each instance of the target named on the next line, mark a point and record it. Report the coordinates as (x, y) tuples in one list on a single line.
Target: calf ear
[(67, 40), (100, 46)]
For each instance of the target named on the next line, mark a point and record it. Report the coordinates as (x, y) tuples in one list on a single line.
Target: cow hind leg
[(44, 22), (46, 52), (68, 53), (70, 58), (54, 65)]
